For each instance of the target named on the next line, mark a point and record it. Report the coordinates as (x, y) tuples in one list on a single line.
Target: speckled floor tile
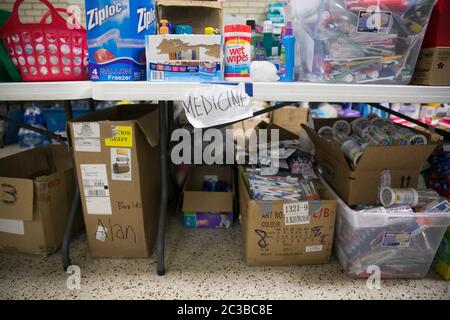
[(201, 264)]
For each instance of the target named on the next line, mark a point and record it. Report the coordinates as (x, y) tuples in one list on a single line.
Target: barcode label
[(157, 75), (296, 213), (93, 183), (96, 188), (96, 193), (299, 219)]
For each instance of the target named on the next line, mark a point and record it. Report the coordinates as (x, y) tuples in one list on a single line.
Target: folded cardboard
[(36, 192), (184, 57), (290, 118), (117, 161), (181, 12), (360, 185), (433, 67), (204, 209), (270, 240)]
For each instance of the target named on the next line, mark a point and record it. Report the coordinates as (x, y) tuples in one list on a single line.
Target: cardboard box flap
[(16, 198), (195, 201), (149, 124), (283, 133), (394, 157), (28, 164), (332, 147)]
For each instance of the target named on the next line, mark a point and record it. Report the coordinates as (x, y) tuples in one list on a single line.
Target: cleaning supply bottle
[(287, 55), (164, 29), (209, 31), (268, 39), (260, 52), (252, 24)]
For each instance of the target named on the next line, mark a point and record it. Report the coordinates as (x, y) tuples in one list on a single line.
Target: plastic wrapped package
[(401, 244), (358, 41)]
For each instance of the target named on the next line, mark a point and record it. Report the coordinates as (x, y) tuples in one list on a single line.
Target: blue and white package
[(116, 32)]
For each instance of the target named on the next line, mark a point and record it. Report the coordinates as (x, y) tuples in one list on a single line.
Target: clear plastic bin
[(359, 41), (402, 245)]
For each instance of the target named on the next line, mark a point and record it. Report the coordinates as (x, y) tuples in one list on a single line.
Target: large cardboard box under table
[(270, 239), (117, 162), (359, 185), (36, 192)]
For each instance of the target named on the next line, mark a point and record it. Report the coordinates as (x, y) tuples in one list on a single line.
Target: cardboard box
[(269, 241), (290, 118), (433, 67), (197, 14), (203, 209), (117, 161), (184, 57), (360, 185), (442, 263), (37, 189)]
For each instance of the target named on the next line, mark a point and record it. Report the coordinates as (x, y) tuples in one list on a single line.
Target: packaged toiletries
[(116, 38), (237, 47), (269, 40)]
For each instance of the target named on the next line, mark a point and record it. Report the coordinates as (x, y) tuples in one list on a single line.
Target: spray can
[(327, 132), (237, 46), (413, 138), (351, 149), (375, 136), (390, 131), (343, 127)]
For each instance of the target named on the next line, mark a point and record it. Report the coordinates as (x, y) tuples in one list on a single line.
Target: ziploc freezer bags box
[(116, 32)]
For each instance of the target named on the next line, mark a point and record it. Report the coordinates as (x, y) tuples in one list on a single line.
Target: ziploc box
[(184, 57), (116, 32)]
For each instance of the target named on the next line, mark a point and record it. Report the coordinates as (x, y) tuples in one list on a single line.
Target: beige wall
[(32, 10)]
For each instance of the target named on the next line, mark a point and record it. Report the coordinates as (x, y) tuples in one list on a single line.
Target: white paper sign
[(296, 213), (316, 248), (96, 188), (213, 105)]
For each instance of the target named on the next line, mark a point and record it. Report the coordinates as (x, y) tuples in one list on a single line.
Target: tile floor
[(201, 264)]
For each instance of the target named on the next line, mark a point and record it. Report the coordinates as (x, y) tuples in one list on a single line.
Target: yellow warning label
[(122, 137)]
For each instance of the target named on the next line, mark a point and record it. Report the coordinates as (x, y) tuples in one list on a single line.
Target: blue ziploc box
[(184, 57), (116, 31)]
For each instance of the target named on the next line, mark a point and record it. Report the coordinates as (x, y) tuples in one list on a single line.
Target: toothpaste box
[(184, 57), (116, 32)]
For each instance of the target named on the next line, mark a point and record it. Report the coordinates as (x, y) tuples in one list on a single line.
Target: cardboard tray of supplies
[(360, 185), (269, 241)]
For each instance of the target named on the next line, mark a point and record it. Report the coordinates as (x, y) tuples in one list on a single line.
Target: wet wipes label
[(396, 239), (296, 213), (374, 22), (96, 188), (121, 164), (86, 137), (122, 136)]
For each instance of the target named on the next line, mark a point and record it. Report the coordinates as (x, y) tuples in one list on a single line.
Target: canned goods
[(375, 136), (327, 132)]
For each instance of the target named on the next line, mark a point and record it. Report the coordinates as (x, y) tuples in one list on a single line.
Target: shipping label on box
[(184, 57)]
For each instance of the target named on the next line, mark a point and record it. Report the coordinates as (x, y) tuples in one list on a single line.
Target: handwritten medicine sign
[(216, 104)]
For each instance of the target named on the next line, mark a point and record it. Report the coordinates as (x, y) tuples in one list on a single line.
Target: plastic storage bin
[(402, 245), (55, 119), (359, 41)]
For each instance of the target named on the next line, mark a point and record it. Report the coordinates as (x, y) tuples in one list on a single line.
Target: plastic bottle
[(260, 52), (268, 39), (252, 24), (237, 47), (287, 55), (164, 29), (209, 31)]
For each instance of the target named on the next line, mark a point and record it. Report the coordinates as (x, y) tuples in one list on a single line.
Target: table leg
[(163, 142)]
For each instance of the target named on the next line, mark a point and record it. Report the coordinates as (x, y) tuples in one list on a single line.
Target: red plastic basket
[(55, 51)]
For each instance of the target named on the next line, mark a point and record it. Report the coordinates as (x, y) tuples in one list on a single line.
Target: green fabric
[(8, 73)]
